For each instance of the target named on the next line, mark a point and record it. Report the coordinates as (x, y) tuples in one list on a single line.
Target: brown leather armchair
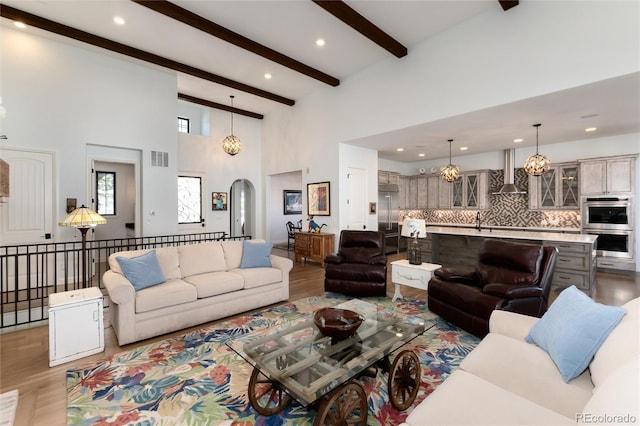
[(359, 268), (509, 276)]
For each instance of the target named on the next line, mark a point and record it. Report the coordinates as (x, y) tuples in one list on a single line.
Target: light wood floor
[(24, 355)]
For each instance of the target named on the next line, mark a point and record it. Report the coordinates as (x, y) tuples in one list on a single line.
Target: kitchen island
[(459, 247)]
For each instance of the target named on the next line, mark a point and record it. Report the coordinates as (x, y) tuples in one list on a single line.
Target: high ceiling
[(289, 30)]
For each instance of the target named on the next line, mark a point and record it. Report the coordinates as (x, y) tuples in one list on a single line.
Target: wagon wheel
[(404, 380), (346, 405), (265, 395)]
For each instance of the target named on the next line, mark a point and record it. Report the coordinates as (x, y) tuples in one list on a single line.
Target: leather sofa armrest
[(334, 258), (459, 275), (378, 260), (507, 291)]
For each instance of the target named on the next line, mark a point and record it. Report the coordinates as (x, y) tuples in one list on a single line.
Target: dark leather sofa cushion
[(499, 263), (356, 272)]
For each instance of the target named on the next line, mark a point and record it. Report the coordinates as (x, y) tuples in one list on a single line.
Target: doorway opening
[(242, 205)]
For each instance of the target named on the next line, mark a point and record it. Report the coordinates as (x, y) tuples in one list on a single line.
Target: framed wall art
[(292, 201), (218, 201), (318, 198)]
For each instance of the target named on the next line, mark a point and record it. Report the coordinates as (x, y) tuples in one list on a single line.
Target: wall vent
[(159, 159)]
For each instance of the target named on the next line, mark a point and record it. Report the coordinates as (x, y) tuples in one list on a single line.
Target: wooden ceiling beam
[(85, 37), (189, 18), (216, 105), (349, 16), (508, 4)]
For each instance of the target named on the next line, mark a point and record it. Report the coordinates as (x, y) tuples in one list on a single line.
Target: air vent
[(159, 159)]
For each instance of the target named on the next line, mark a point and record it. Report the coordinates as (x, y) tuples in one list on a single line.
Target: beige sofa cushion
[(214, 283), (256, 277), (201, 258), (465, 399), (167, 257), (617, 395), (528, 371), (170, 293), (620, 346), (233, 252)]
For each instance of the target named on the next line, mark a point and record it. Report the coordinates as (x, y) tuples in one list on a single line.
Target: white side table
[(417, 276), (76, 325)]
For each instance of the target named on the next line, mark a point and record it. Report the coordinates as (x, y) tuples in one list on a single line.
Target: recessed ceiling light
[(267, 76), (464, 148), (20, 25), (320, 42), (518, 140), (399, 149), (421, 154), (589, 115), (590, 129), (119, 20)]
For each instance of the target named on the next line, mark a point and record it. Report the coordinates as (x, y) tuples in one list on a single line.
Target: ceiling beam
[(187, 17), (85, 37), (216, 105), (349, 16), (508, 4)]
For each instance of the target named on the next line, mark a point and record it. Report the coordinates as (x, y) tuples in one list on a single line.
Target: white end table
[(416, 276), (76, 325)]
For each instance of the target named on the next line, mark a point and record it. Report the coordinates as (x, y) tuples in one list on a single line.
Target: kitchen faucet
[(478, 227)]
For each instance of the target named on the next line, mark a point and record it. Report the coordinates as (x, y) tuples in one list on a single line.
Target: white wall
[(277, 219)]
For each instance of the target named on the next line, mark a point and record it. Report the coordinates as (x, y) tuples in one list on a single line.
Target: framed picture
[(292, 201), (318, 198), (218, 201)]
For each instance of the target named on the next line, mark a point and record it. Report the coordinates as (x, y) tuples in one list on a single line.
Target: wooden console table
[(313, 246)]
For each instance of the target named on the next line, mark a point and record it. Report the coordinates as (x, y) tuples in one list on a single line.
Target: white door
[(356, 199), (27, 217)]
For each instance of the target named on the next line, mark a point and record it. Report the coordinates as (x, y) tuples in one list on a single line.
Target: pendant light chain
[(231, 144), (537, 164)]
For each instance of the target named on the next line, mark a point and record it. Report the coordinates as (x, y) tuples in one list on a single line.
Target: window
[(106, 193), (184, 125), (189, 199)]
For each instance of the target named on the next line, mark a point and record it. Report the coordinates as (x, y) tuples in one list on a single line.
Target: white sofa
[(204, 282), (507, 381)]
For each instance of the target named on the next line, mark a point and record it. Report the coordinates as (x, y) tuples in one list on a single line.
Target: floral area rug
[(196, 379)]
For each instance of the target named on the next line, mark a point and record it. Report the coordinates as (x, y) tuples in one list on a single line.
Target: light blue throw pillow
[(142, 271), (573, 329), (256, 255)]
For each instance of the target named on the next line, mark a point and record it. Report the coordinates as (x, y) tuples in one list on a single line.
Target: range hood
[(509, 186)]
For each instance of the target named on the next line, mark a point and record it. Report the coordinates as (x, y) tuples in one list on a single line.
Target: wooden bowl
[(337, 323)]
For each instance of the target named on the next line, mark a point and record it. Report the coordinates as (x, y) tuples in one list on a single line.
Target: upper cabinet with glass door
[(470, 191), (557, 188)]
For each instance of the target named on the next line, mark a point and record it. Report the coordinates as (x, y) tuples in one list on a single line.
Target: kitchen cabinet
[(470, 190), (76, 325), (385, 177), (576, 265), (313, 246), (557, 188), (403, 188), (423, 192), (610, 175), (412, 192), (439, 193)]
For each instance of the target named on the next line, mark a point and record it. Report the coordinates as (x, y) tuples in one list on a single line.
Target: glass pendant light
[(537, 164), (231, 144)]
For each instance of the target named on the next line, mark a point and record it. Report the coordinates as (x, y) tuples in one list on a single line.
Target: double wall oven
[(611, 219)]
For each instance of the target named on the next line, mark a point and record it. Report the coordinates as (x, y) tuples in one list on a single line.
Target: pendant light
[(450, 172), (537, 164), (231, 144)]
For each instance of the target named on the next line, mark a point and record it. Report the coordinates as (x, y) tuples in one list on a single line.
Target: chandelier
[(231, 144), (537, 164), (450, 172)]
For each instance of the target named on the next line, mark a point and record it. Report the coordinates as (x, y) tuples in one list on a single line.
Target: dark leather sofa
[(509, 276), (359, 268)]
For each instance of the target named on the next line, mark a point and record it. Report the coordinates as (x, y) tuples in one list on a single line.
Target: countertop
[(508, 233), (508, 228)]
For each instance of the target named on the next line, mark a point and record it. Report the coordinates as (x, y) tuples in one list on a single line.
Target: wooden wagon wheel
[(404, 380), (346, 405), (265, 395)]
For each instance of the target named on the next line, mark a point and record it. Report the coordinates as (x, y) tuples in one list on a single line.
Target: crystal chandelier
[(537, 164), (450, 172), (231, 144)]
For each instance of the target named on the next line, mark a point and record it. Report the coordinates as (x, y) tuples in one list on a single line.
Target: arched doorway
[(242, 208)]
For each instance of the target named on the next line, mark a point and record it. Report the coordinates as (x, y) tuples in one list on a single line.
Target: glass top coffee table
[(295, 360)]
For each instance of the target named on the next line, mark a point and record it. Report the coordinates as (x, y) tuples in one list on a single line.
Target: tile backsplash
[(505, 210)]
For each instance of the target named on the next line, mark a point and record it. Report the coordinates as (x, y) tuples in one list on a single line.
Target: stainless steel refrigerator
[(388, 212)]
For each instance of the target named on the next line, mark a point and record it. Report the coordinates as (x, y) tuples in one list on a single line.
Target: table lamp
[(83, 218), (414, 229)]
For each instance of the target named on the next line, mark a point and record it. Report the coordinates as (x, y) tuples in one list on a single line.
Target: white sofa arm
[(511, 324), (120, 290), (123, 306), (282, 263)]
